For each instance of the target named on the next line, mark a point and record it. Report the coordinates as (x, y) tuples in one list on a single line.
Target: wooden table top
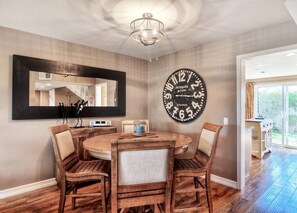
[(100, 146)]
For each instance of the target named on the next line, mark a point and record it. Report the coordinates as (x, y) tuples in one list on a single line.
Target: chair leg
[(208, 192), (156, 208), (62, 195), (103, 195), (173, 193), (197, 193), (139, 209), (109, 188), (74, 199)]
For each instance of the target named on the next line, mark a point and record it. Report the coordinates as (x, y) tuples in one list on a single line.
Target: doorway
[(101, 94), (241, 79)]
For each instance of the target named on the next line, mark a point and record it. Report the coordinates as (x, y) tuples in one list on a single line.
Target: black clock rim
[(203, 107)]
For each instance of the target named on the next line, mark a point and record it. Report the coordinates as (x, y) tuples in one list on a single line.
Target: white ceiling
[(104, 24), (272, 65)]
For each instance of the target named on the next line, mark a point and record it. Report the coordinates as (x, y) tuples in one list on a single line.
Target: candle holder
[(139, 128)]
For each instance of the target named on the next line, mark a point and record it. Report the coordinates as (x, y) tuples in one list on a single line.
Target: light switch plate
[(225, 121)]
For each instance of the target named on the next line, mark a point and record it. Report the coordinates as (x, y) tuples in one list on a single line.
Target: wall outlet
[(226, 121)]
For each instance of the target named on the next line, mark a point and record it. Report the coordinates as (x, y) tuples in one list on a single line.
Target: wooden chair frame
[(141, 194), (199, 165), (75, 173)]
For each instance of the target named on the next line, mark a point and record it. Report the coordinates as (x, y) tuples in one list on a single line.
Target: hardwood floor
[(271, 187)]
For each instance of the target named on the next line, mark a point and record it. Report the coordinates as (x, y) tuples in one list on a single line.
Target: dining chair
[(128, 125), (75, 173), (198, 167), (141, 173)]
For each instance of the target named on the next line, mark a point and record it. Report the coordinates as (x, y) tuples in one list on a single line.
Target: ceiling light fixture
[(147, 30)]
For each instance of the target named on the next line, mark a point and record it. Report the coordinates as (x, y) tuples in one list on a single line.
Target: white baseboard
[(27, 188), (224, 181)]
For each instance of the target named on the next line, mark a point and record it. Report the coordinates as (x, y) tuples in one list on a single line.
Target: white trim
[(224, 181), (240, 120), (27, 188), (240, 106)]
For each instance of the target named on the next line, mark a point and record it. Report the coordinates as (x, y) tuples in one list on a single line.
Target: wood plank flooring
[(271, 187)]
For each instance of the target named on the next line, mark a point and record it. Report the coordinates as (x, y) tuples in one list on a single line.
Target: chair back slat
[(142, 187)]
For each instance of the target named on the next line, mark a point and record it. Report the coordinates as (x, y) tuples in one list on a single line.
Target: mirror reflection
[(50, 89)]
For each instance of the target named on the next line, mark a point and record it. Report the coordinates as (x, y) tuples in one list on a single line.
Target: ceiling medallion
[(147, 30)]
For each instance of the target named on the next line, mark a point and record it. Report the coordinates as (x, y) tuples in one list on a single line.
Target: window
[(279, 102)]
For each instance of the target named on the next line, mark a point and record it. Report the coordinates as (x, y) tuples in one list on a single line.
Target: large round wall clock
[(184, 95)]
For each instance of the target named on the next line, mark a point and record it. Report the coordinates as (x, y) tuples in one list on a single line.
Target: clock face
[(184, 95)]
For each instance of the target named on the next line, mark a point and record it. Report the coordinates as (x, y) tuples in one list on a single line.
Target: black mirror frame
[(22, 65)]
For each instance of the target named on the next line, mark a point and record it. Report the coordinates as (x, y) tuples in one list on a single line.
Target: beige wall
[(216, 63), (26, 153)]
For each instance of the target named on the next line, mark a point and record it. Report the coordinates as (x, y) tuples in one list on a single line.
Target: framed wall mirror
[(42, 87)]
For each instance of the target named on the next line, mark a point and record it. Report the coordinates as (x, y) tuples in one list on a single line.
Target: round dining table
[(100, 146)]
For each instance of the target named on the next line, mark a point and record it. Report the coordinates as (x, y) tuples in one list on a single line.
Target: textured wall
[(26, 153), (216, 63)]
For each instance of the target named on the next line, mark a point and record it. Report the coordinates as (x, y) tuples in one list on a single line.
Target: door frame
[(286, 115), (240, 106)]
